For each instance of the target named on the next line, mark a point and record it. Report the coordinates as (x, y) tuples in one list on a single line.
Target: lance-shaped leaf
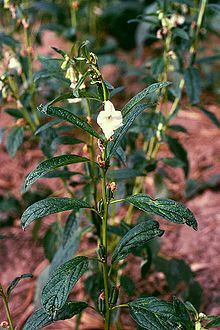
[(50, 206), (152, 313), (14, 140), (61, 282), (70, 117), (14, 283), (148, 93), (127, 122), (136, 237), (49, 165), (166, 208), (41, 319), (193, 84)]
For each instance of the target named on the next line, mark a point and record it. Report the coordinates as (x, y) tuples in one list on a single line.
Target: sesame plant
[(94, 202)]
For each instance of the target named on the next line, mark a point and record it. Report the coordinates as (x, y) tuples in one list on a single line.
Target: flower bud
[(101, 162), (101, 302), (101, 253), (114, 295)]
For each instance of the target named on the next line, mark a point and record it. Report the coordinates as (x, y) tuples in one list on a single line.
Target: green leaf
[(127, 285), (67, 140), (135, 238), (61, 282), (155, 314), (70, 117), (14, 283), (70, 227), (174, 162), (127, 122), (52, 239), (166, 208), (41, 319), (180, 153), (210, 115), (177, 32), (123, 174), (148, 93), (47, 125), (181, 310), (50, 206), (14, 140), (193, 85), (214, 323), (49, 165)]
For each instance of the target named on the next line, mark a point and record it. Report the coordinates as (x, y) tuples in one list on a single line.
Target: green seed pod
[(101, 303), (114, 295), (100, 207), (101, 253)]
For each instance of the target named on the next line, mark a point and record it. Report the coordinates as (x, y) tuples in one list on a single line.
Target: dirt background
[(20, 254)]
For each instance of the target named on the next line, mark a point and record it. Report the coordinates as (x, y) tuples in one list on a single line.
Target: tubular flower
[(109, 119)]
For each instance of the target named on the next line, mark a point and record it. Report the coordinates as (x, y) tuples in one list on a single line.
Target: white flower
[(75, 100), (14, 65), (109, 119)]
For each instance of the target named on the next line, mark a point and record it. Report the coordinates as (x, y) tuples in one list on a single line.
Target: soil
[(21, 254)]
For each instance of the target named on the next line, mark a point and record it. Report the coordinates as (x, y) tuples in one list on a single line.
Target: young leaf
[(148, 93), (41, 319), (49, 165), (14, 140), (14, 283), (193, 85), (70, 117), (61, 282), (152, 313), (50, 206), (166, 208), (136, 237), (180, 153)]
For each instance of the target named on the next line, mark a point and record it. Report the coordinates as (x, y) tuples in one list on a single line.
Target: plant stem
[(5, 302), (104, 243)]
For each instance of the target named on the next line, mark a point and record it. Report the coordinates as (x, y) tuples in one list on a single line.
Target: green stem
[(119, 306), (72, 14), (5, 302), (104, 243)]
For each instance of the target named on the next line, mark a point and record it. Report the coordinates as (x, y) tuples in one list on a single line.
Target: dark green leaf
[(50, 206), (214, 323), (181, 310), (49, 165), (174, 162), (135, 238), (214, 7), (70, 117), (8, 40), (180, 153), (211, 116), (177, 32), (155, 314), (127, 284), (148, 93), (67, 140), (47, 125), (70, 227), (41, 319), (14, 283), (14, 112), (166, 208), (52, 240), (123, 174), (14, 140), (61, 282), (193, 84)]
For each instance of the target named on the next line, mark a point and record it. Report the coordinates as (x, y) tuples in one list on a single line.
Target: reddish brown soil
[(20, 254)]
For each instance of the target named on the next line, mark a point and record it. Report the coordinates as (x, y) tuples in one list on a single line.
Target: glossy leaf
[(61, 282), (14, 283), (41, 319), (193, 85), (152, 313), (70, 117), (135, 238), (14, 140), (50, 206), (148, 93), (166, 208), (49, 165)]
